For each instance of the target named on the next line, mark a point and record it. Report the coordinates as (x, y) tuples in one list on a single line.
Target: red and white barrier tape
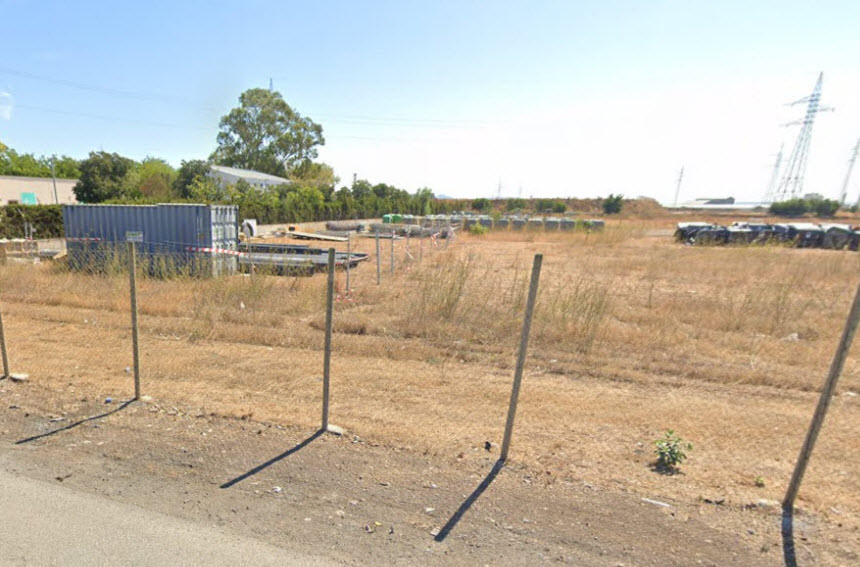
[(215, 250)]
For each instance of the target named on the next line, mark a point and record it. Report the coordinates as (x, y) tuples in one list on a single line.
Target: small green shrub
[(612, 204), (671, 451), (759, 481), (478, 229)]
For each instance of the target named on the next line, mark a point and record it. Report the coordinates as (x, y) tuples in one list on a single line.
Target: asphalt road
[(48, 524)]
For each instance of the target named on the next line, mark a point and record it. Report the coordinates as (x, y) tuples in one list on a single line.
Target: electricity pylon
[(791, 184)]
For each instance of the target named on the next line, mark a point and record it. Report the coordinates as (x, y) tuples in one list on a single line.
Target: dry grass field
[(634, 334)]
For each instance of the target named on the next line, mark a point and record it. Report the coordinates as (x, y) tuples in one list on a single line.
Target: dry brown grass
[(633, 334)]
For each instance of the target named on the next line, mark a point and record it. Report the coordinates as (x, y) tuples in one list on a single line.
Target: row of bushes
[(47, 220), (800, 207)]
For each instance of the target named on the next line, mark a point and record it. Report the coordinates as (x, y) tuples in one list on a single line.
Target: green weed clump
[(671, 451), (478, 230)]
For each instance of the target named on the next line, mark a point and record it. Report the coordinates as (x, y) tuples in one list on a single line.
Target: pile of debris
[(797, 234)]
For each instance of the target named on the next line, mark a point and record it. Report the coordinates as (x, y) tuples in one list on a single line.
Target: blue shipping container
[(202, 237)]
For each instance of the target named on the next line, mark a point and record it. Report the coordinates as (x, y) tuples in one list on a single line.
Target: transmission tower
[(678, 186), (848, 173), (774, 176), (791, 184)]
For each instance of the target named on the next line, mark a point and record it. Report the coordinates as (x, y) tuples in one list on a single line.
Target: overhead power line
[(108, 118), (174, 99), (126, 120), (138, 95)]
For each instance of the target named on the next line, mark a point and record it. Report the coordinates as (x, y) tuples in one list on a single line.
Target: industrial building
[(36, 190), (226, 176)]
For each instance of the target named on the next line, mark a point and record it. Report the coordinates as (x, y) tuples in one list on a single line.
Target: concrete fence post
[(348, 256), (823, 402), (378, 262), (392, 251), (6, 371), (329, 308), (521, 357), (132, 277)]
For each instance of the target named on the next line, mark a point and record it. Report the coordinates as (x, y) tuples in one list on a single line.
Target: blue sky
[(550, 98)]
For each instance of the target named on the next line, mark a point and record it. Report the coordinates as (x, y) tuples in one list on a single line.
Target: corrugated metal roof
[(249, 175)]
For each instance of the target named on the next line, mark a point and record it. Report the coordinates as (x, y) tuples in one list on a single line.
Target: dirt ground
[(634, 334), (344, 498)]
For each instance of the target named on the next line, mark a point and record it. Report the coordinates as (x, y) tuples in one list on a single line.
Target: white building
[(231, 175), (36, 190)]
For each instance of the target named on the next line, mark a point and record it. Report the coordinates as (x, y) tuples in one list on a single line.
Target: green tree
[(612, 204), (824, 207), (550, 206), (155, 178), (30, 165), (206, 190), (103, 177), (306, 203), (265, 134), (789, 208), (66, 167), (188, 171), (482, 205), (423, 199), (515, 205), (313, 174)]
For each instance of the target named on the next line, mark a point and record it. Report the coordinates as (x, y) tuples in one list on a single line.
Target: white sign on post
[(133, 236)]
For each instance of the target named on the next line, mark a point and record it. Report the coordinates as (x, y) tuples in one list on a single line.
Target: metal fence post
[(348, 256), (378, 262), (392, 251), (132, 269), (329, 306), (823, 402), (6, 372), (420, 249), (521, 357)]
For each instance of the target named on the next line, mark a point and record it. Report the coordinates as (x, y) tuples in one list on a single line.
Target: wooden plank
[(314, 236)]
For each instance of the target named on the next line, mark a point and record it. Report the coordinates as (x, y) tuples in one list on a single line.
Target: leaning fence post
[(823, 402), (378, 262), (392, 251), (329, 306), (521, 357), (132, 268), (348, 257), (6, 372)]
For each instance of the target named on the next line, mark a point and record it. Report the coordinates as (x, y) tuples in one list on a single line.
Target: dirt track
[(348, 501)]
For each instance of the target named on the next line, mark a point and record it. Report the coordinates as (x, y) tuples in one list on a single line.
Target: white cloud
[(7, 103)]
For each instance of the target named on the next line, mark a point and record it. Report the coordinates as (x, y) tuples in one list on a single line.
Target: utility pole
[(678, 187), (848, 173), (271, 86), (54, 179)]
